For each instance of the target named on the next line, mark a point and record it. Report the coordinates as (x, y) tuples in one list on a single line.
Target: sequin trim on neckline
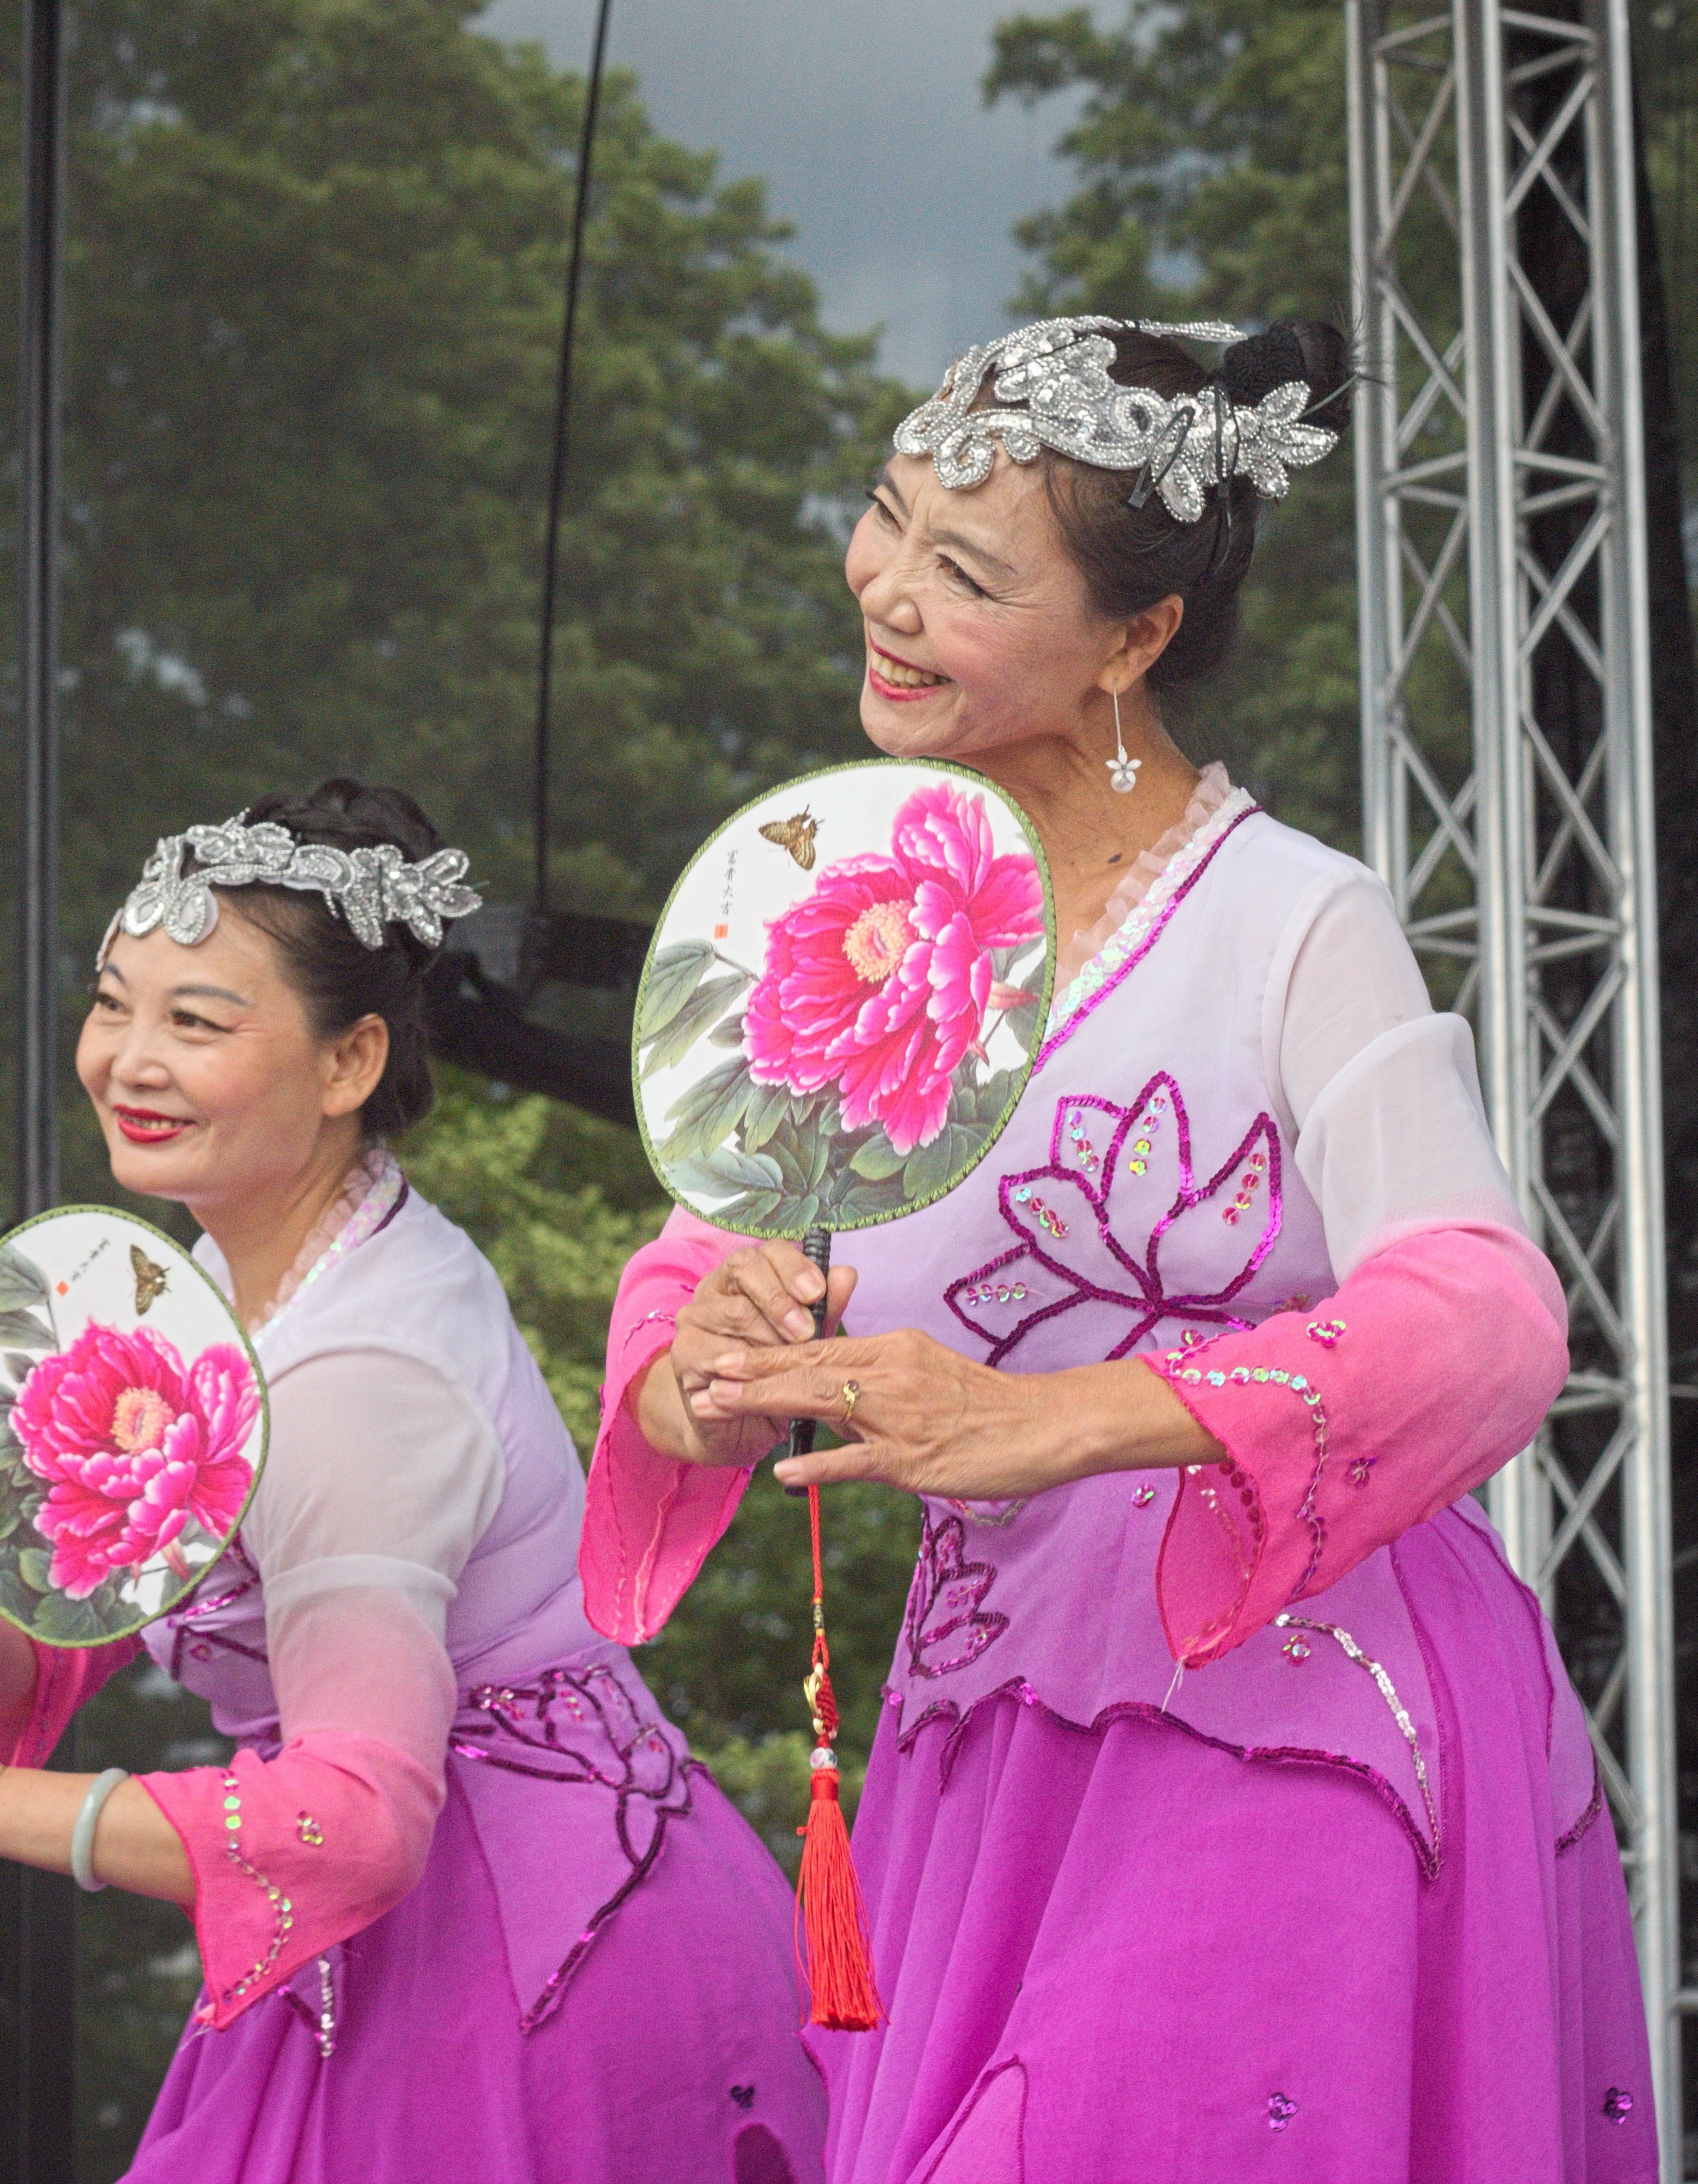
[(1126, 948), (385, 1189), (1214, 786)]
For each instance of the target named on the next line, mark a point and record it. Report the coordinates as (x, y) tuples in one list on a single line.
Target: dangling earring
[(1122, 770)]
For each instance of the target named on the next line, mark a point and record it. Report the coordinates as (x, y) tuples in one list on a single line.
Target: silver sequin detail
[(326, 2025), (371, 887), (1057, 370), (374, 1209), (1387, 1692)]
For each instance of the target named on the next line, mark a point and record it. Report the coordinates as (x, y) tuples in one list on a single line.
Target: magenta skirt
[(1121, 1955), (674, 2059)]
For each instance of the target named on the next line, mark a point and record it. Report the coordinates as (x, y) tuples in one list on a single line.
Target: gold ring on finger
[(851, 1398)]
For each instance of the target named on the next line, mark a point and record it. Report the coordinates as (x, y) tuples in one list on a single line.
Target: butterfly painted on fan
[(150, 1279), (796, 835)]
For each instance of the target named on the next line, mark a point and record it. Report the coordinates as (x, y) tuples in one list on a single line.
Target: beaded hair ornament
[(370, 887), (1057, 371)]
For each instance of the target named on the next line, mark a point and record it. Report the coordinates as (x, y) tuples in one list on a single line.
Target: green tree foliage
[(558, 1204), (315, 263)]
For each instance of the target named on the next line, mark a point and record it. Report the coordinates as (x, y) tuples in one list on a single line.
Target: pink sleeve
[(1433, 1364), (648, 1520), (293, 1854), (66, 1677)]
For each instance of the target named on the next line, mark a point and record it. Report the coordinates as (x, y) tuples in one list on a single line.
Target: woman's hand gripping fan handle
[(817, 1246)]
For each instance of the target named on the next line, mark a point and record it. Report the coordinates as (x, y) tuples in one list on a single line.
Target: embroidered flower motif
[(1081, 1144), (1045, 1215), (946, 1602), (134, 1446), (1106, 1232), (879, 980), (1249, 1184), (1325, 1332), (583, 1728), (307, 1828), (1617, 2104), (1280, 2111)]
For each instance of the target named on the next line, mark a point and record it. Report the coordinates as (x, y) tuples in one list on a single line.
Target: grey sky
[(866, 119)]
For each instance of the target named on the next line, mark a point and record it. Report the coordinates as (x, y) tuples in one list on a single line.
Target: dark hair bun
[(1294, 348), (346, 815), (337, 975), (1131, 555)]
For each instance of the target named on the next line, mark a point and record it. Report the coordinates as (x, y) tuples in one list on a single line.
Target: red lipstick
[(141, 1126)]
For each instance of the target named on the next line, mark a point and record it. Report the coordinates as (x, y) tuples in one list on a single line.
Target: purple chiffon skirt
[(1120, 1955), (674, 2059)]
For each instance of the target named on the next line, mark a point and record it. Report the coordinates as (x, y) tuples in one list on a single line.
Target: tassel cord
[(834, 1944)]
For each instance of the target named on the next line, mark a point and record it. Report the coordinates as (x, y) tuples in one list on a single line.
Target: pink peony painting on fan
[(129, 1447), (844, 999)]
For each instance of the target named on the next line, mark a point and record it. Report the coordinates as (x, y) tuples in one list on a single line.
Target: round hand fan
[(841, 1006), (844, 997), (132, 1424)]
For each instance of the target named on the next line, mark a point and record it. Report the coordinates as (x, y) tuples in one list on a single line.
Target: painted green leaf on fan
[(673, 976), (22, 1282)]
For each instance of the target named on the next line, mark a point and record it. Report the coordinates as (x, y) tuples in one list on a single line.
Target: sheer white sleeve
[(1391, 1131), (381, 1477)]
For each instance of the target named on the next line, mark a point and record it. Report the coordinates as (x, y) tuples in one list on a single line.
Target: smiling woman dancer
[(1231, 1816), (465, 1909)]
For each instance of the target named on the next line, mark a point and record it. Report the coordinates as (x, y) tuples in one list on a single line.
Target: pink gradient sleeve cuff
[(1433, 1364), (648, 1520), (292, 1855), (66, 1678)]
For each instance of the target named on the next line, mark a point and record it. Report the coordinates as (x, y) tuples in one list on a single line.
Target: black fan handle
[(817, 1244)]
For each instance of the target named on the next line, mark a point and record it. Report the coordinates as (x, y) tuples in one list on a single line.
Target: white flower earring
[(1122, 770)]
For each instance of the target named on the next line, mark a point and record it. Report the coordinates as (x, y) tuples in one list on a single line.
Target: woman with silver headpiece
[(465, 1908), (1231, 1815)]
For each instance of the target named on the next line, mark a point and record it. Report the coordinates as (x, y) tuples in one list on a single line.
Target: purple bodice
[(1145, 1197)]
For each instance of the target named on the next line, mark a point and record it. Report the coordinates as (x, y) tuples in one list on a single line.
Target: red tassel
[(834, 1945), (839, 1964)]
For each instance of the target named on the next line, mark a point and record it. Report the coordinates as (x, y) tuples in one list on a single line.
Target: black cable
[(557, 471)]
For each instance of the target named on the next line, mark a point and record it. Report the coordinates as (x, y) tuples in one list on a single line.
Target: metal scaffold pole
[(37, 2138), (38, 607), (1507, 779)]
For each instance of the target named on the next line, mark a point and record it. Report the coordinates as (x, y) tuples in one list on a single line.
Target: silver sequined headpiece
[(1057, 370), (371, 887)]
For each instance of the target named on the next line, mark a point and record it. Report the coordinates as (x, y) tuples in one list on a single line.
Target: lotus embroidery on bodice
[(1117, 1225), (948, 1625)]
